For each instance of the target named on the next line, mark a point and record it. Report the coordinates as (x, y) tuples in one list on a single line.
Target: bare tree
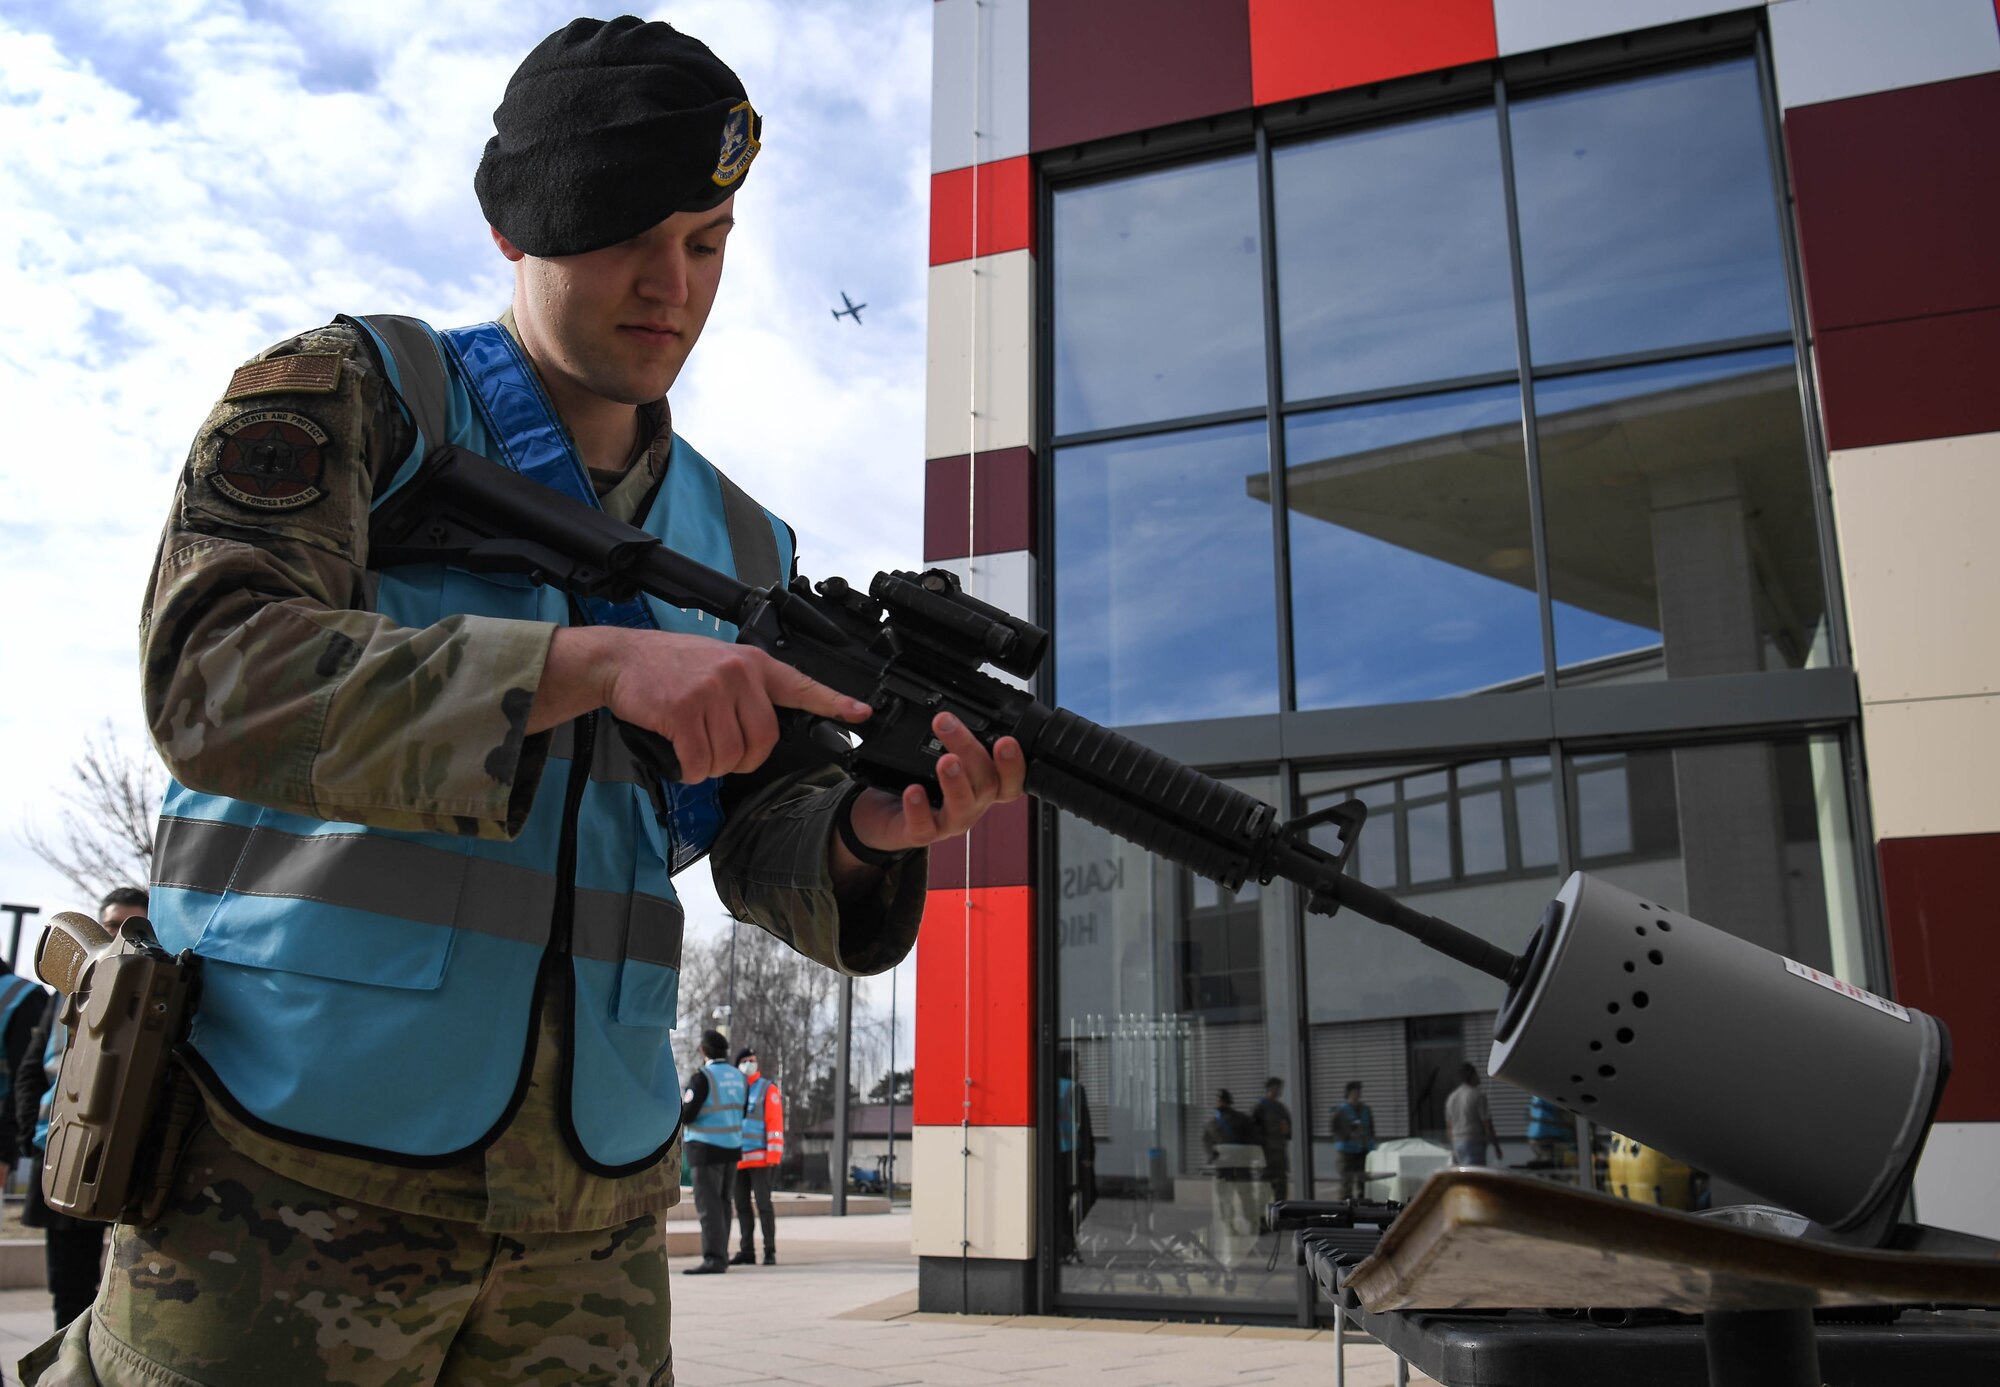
[(104, 833)]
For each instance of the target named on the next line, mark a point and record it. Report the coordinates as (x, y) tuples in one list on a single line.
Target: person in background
[(712, 1122), (1076, 1157), (72, 1248), (1353, 1139), (763, 1153), (1274, 1125), (1469, 1119), (1234, 1148), (23, 1003)]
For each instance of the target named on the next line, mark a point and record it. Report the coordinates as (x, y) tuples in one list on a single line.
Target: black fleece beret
[(609, 127)]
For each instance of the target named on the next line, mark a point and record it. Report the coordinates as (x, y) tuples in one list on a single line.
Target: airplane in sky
[(853, 309)]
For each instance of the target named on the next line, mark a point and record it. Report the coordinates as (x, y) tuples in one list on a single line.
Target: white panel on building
[(1934, 765), (1955, 1178), (1523, 26), (980, 310), (1921, 571), (1828, 50), (979, 82), (1006, 581), (998, 1219)]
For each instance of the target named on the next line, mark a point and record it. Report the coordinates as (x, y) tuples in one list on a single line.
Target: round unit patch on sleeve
[(270, 460)]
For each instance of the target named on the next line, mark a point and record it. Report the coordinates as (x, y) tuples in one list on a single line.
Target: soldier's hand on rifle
[(973, 780), (715, 702)]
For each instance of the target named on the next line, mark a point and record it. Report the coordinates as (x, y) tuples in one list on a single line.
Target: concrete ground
[(840, 1310)]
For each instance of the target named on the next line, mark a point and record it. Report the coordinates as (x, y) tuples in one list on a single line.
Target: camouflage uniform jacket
[(268, 677)]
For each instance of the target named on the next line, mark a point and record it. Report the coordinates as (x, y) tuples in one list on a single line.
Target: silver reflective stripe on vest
[(388, 876), (421, 369)]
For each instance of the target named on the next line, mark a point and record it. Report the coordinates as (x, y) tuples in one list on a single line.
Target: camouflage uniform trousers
[(250, 1279)]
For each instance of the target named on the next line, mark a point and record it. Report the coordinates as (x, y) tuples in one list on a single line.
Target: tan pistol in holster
[(123, 1108)]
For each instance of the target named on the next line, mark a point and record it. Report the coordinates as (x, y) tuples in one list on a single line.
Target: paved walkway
[(839, 1310)]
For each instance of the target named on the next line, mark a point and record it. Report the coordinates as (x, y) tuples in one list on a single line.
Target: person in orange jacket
[(763, 1153)]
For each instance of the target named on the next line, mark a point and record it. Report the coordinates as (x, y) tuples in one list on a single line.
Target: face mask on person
[(749, 1068)]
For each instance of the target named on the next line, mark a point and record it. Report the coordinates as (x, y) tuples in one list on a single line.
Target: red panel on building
[(1001, 851), (1109, 67), (976, 948), (1304, 47), (1005, 211), (1899, 201), (1919, 378), (1001, 516), (1946, 954)]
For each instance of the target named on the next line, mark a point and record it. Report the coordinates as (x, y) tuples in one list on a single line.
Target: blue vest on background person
[(1363, 1120), (1547, 1122), (720, 1120), (52, 1053), (1065, 1115), (334, 953), (753, 1114), (14, 990)]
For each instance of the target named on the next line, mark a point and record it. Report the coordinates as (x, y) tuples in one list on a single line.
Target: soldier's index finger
[(791, 689)]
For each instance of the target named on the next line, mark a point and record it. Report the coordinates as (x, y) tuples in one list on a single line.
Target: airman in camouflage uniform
[(269, 677)]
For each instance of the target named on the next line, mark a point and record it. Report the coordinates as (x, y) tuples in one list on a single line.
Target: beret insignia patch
[(739, 144), (270, 460), (307, 374)]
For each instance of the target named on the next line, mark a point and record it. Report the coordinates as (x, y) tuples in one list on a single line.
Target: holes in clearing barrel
[(1611, 1007), (1607, 1071), (1587, 1097), (1639, 999), (1597, 1045), (1624, 1035), (1655, 957), (1630, 966)]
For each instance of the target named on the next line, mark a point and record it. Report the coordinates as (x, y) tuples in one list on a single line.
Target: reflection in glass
[(1383, 1010), (1392, 256), (1413, 572), (1751, 837), (1680, 520), (1159, 305), (1165, 608), (1163, 1006), (1647, 216)]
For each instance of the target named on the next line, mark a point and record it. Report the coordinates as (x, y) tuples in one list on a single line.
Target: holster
[(123, 1106)]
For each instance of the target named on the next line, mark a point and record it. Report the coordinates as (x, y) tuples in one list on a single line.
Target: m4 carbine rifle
[(911, 647)]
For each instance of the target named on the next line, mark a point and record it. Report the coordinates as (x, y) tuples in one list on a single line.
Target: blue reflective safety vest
[(52, 1053), (753, 1115), (1065, 1115), (334, 954), (720, 1119), (14, 990)]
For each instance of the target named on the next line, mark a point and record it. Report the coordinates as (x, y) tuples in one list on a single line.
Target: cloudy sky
[(188, 181)]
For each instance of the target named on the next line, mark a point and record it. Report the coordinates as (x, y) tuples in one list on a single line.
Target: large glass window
[(1392, 256), (1413, 563), (1680, 520), (1172, 1022), (1647, 217), (1164, 611), (1435, 519), (1159, 313), (1753, 837)]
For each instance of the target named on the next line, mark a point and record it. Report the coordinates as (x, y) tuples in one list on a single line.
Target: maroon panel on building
[(1001, 518), (1109, 67), (1001, 852), (1945, 955), (1919, 378), (1899, 201)]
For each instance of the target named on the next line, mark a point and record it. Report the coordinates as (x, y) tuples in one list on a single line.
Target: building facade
[(1566, 427)]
